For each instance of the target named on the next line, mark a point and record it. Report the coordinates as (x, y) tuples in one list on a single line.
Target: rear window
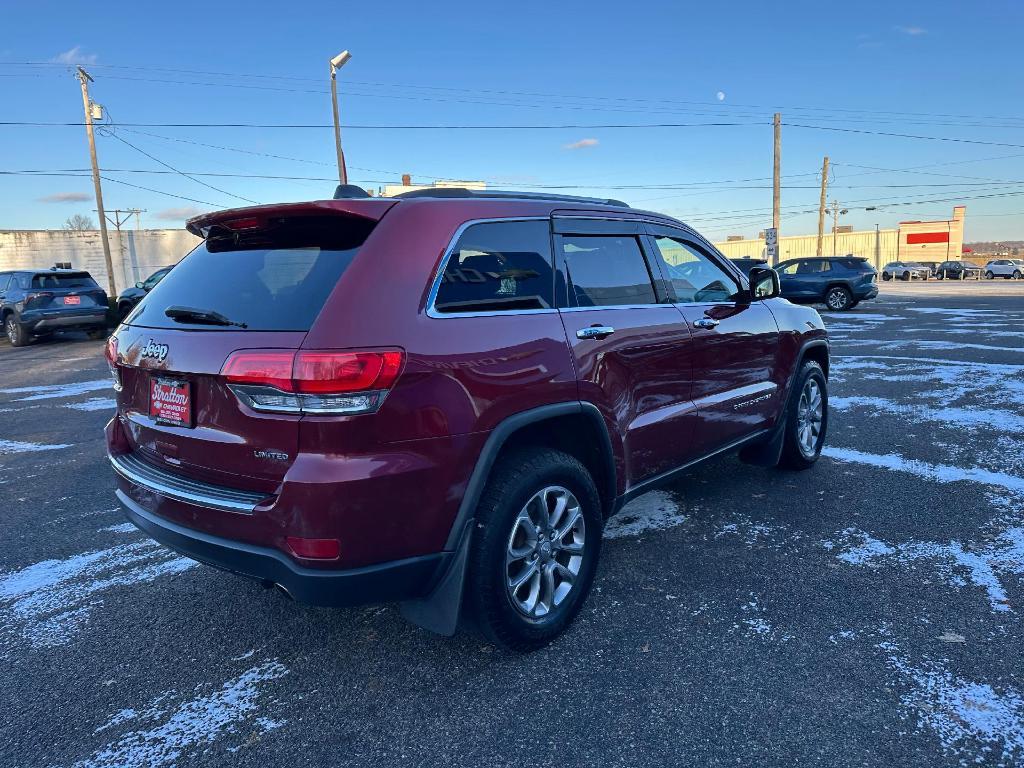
[(274, 279), (63, 280)]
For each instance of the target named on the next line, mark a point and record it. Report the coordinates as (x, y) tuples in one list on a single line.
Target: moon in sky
[(720, 95)]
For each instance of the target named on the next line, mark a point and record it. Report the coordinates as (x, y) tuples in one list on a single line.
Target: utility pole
[(878, 248), (85, 78), (821, 205), (777, 176), (836, 212), (118, 222)]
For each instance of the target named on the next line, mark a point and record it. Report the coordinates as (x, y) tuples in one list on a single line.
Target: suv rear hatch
[(72, 291), (251, 291)]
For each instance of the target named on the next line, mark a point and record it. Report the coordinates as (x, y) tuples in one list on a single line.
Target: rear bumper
[(63, 320), (393, 581), (866, 292)]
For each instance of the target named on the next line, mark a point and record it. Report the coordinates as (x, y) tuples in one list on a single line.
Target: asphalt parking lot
[(867, 612)]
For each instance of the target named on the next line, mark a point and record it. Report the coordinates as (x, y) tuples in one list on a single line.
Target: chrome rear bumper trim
[(157, 480)]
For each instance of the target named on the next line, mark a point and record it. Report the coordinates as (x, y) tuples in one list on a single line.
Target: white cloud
[(720, 95), (178, 214), (74, 56), (65, 197), (914, 31), (582, 144)]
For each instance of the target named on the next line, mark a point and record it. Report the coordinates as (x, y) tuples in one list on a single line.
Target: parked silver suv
[(1011, 269)]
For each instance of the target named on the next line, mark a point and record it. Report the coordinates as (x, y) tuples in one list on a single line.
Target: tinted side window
[(4, 282), (788, 269), (606, 270), (498, 267), (818, 265), (694, 276)]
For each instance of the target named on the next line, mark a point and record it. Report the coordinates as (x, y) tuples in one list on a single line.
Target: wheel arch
[(441, 609), (576, 427)]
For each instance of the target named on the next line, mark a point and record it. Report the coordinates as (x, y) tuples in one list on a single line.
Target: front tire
[(906, 277), (1016, 274), (15, 333), (838, 298), (886, 276), (534, 550), (806, 418), (989, 275)]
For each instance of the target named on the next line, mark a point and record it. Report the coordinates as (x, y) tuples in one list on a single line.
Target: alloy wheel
[(809, 416), (837, 299), (12, 332), (545, 552)]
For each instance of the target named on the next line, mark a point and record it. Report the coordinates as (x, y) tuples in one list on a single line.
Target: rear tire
[(1016, 274), (516, 539), (806, 418), (15, 333), (838, 298), (886, 276), (122, 310)]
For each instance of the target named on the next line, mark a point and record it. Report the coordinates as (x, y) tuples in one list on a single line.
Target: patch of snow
[(121, 528), (940, 473), (49, 391), (94, 404), (47, 603), (654, 511), (17, 446), (972, 720), (193, 724), (953, 561), (965, 418)]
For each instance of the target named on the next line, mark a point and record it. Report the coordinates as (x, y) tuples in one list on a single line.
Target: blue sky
[(938, 69)]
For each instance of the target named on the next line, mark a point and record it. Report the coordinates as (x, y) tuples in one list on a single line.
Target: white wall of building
[(135, 253), (799, 246)]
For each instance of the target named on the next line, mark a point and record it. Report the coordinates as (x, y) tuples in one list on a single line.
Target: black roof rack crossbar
[(505, 194)]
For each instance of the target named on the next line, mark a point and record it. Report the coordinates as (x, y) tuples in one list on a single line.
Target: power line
[(426, 127), (175, 170), (905, 135), (718, 106)]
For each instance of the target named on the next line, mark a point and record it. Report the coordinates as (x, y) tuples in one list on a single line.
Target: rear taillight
[(30, 297), (110, 353), (317, 382)]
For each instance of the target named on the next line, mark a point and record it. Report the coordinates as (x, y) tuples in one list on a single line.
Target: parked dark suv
[(958, 269), (35, 303), (838, 282), (132, 296), (440, 400)]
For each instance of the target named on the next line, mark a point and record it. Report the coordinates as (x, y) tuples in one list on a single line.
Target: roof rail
[(484, 194)]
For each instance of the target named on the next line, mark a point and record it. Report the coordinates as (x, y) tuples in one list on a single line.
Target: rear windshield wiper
[(200, 316)]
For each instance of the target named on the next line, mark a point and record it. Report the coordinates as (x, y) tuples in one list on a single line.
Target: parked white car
[(905, 270), (1011, 269)]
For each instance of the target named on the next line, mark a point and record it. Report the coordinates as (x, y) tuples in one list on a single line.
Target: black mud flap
[(439, 611), (767, 452)]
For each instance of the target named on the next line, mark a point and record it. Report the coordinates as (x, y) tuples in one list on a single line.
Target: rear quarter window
[(498, 266)]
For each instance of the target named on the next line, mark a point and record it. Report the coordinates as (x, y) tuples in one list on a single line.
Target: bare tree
[(78, 223)]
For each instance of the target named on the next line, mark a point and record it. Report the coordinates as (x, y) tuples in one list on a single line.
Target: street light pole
[(337, 63)]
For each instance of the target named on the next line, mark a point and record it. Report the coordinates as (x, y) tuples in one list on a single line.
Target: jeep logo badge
[(153, 350)]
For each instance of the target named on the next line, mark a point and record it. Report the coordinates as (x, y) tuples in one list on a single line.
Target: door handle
[(705, 322), (595, 332)]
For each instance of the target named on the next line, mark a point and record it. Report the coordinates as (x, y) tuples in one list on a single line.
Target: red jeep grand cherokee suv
[(439, 398)]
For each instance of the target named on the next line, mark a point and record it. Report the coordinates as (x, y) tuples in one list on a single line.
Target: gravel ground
[(866, 612)]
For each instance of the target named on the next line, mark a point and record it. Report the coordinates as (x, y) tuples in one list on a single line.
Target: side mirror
[(139, 285), (764, 283)]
